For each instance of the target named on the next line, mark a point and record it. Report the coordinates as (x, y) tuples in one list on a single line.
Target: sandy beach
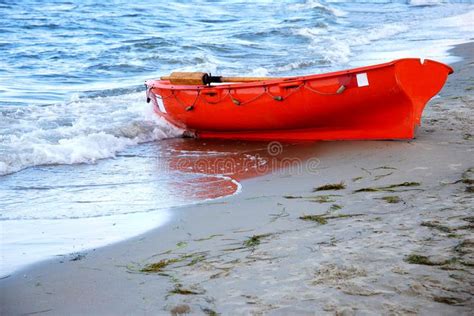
[(354, 228)]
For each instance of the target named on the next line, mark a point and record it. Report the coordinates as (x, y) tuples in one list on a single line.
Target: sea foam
[(80, 131)]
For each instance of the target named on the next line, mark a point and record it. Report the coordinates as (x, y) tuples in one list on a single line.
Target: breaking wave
[(80, 131)]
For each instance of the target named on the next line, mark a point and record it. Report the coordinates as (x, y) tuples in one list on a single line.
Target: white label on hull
[(161, 106), (362, 80)]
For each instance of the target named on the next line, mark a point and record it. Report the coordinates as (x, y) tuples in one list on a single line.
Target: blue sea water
[(71, 93)]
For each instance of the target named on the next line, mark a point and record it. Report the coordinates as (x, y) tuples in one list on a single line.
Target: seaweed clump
[(466, 179), (424, 260), (333, 186), (178, 289), (254, 241), (323, 219), (209, 312), (391, 199), (208, 238), (322, 199), (448, 300), (419, 259), (437, 226), (317, 198), (469, 219), (158, 266), (389, 188), (314, 218)]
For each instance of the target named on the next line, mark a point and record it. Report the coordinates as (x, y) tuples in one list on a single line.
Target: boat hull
[(384, 101)]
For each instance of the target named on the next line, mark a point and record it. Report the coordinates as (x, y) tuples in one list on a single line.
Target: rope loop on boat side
[(188, 107), (294, 90), (239, 102), (340, 90), (220, 99)]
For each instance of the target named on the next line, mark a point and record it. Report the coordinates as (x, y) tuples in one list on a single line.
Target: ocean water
[(81, 152)]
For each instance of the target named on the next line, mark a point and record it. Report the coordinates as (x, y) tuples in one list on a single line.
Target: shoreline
[(252, 253)]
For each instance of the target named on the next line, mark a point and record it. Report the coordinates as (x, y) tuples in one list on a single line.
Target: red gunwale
[(164, 84)]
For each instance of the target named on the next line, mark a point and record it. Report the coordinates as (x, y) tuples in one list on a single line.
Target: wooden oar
[(200, 78)]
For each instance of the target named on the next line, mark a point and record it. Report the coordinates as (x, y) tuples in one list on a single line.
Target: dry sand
[(404, 249)]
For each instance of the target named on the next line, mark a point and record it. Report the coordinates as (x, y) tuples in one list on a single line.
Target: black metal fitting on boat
[(207, 79), (148, 99)]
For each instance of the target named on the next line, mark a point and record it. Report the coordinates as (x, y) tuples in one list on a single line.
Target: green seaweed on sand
[(327, 198), (448, 300), (323, 219), (467, 264), (385, 168), (367, 190), (404, 184), (209, 312), (389, 188), (254, 240), (464, 247), (332, 186), (178, 289), (437, 226), (181, 244), (289, 197), (196, 259), (158, 266), (322, 199), (343, 216), (314, 218), (466, 181), (452, 235), (357, 179), (380, 176), (424, 260), (469, 219), (192, 258), (335, 207), (419, 259), (391, 199), (208, 238)]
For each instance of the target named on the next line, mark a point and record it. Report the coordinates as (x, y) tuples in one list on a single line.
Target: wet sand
[(394, 238)]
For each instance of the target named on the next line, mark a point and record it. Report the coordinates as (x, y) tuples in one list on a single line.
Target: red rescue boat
[(376, 102)]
